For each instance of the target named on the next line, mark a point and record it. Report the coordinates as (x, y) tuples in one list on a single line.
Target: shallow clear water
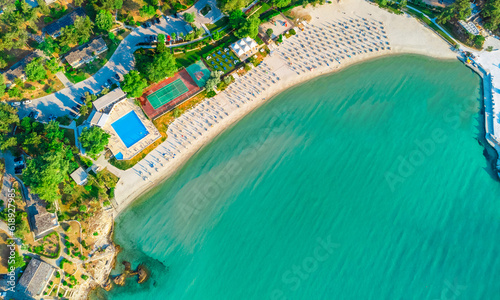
[(365, 184)]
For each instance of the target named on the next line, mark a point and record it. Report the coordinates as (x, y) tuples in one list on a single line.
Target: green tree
[(213, 81), (111, 36), (147, 11), (161, 38), (236, 18), (479, 41), (133, 84), (462, 9), (250, 27), (14, 92), (35, 70), (161, 47), (83, 27), (8, 118), (231, 5), (3, 86), (491, 14), (80, 32), (53, 65), (189, 17), (269, 32), (163, 65), (48, 46), (111, 4), (281, 3), (104, 20), (3, 63), (94, 139), (216, 35), (44, 173)]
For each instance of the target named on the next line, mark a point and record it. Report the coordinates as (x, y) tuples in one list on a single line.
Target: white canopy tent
[(244, 46)]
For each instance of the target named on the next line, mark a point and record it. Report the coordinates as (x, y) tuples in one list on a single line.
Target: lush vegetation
[(491, 15), (134, 84), (94, 139)]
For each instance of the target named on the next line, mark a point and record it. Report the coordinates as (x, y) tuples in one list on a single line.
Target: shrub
[(211, 94)]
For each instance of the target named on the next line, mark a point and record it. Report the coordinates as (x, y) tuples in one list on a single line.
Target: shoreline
[(405, 34), (141, 191)]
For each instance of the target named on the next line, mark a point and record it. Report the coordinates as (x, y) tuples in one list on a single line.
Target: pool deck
[(116, 145)]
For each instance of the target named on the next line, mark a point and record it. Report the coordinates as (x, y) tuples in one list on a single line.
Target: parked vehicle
[(144, 25), (117, 76), (157, 20), (36, 115), (109, 81), (15, 103), (27, 101), (73, 115), (31, 114), (18, 170), (82, 99), (19, 162)]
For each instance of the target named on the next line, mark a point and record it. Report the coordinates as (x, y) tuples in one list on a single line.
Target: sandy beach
[(339, 35)]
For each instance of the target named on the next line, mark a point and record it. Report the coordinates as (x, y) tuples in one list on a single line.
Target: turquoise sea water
[(366, 184)]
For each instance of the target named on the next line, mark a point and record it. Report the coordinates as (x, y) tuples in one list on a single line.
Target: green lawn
[(77, 76), (263, 8), (70, 134), (219, 24), (217, 61)]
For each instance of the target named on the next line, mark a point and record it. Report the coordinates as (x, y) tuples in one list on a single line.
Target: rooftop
[(35, 277), (109, 99), (68, 20), (79, 176), (41, 221), (17, 70), (85, 52)]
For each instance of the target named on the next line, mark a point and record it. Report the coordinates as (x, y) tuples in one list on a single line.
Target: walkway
[(64, 79)]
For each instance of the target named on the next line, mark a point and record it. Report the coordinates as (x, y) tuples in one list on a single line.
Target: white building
[(79, 176)]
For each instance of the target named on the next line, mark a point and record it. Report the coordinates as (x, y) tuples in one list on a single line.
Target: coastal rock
[(127, 265), (142, 274), (120, 279), (107, 285)]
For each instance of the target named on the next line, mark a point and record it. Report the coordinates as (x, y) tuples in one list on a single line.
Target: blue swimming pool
[(130, 129)]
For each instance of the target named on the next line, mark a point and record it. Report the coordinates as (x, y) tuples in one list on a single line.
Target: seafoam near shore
[(404, 34)]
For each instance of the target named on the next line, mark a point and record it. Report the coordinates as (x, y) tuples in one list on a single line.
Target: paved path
[(64, 79)]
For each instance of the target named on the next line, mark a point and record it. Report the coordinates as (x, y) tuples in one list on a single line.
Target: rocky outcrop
[(142, 274), (120, 279)]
